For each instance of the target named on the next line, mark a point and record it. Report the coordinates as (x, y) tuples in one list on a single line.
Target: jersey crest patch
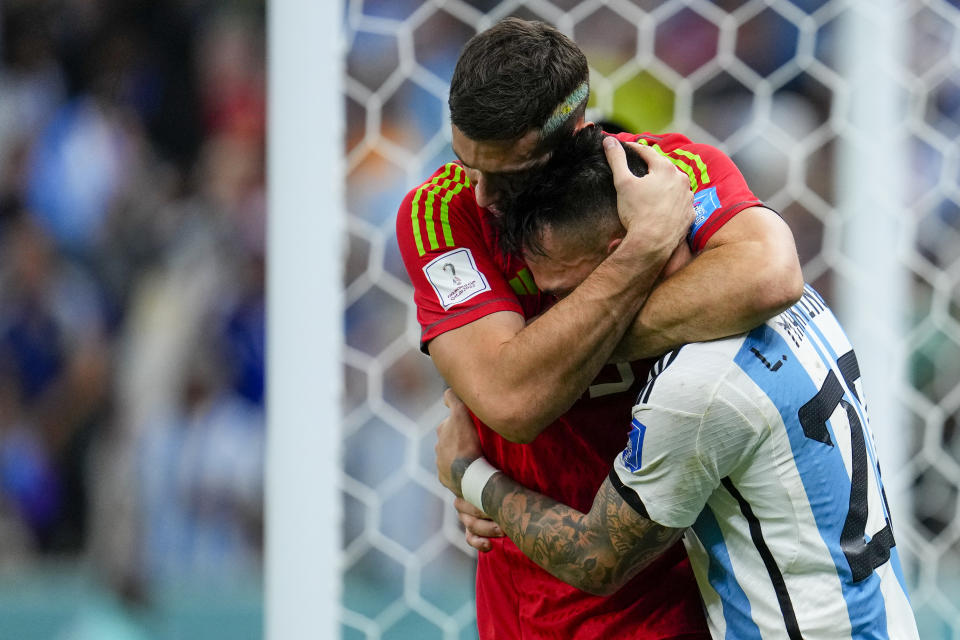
[(705, 202), (455, 278), (632, 456)]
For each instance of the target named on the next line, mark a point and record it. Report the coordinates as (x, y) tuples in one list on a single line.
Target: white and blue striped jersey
[(761, 445)]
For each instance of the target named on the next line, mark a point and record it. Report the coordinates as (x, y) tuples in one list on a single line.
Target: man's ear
[(614, 243)]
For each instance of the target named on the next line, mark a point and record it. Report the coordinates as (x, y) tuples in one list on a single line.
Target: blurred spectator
[(52, 336), (201, 479), (132, 213), (230, 77), (32, 85), (77, 167)]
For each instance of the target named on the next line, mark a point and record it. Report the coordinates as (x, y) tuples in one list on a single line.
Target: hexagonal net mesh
[(760, 79)]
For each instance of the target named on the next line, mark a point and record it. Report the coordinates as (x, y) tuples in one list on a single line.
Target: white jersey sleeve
[(691, 428)]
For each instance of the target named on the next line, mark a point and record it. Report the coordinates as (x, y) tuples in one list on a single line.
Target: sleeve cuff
[(629, 495)]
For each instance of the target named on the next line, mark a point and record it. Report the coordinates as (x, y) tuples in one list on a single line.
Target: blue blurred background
[(132, 215), (132, 218)]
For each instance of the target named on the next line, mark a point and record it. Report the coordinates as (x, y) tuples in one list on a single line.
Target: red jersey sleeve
[(450, 255), (720, 191)]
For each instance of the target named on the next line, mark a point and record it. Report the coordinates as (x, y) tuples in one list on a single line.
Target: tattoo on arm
[(597, 551)]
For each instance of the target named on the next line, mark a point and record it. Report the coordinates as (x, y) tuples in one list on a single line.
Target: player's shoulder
[(448, 189), (690, 375), (703, 358), (664, 141), (444, 200), (691, 156), (447, 184)]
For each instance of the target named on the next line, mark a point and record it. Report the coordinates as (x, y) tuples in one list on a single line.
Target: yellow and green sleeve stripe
[(690, 163), (432, 199), (523, 284)]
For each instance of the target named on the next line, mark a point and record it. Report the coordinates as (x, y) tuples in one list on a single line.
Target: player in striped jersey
[(756, 450)]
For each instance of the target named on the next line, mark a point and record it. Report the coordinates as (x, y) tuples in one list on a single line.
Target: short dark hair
[(518, 76), (572, 191)]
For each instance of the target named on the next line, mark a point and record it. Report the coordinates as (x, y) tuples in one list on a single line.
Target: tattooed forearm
[(457, 468), (597, 551)]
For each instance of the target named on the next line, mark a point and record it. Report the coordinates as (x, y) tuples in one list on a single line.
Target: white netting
[(760, 79)]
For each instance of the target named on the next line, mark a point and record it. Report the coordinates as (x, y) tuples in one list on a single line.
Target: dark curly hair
[(518, 76), (572, 192)]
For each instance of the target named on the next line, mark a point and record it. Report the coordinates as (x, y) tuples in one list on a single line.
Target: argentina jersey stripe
[(773, 571), (820, 463), (722, 578), (823, 335)]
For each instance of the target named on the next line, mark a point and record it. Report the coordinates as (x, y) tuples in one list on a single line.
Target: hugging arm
[(599, 551), (748, 272)]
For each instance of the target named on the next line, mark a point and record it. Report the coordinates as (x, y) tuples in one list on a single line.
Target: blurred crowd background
[(132, 218), (132, 211)]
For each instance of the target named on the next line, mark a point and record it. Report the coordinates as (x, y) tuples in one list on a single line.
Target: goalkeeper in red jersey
[(540, 391)]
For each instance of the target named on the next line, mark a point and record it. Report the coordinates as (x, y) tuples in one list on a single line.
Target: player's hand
[(457, 443), (659, 205), (478, 528)]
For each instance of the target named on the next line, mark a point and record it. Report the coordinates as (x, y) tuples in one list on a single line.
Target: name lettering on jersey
[(794, 320), (811, 302), (794, 324), (523, 284), (687, 165), (632, 456), (455, 278), (434, 198), (773, 367)]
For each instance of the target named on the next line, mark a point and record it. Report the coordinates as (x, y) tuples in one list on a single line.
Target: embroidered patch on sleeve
[(455, 278), (633, 454), (705, 202)]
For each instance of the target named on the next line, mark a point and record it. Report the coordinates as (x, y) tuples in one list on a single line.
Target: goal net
[(765, 80)]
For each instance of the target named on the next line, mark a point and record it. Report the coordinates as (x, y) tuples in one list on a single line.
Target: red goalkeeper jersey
[(450, 251)]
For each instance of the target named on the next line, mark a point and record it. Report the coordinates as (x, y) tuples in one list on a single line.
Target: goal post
[(304, 326), (874, 293)]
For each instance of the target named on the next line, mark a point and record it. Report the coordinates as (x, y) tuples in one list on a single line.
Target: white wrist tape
[(475, 478)]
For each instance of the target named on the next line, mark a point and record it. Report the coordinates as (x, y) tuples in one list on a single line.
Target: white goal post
[(304, 327)]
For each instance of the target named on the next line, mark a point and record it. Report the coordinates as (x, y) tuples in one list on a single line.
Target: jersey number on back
[(862, 556)]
